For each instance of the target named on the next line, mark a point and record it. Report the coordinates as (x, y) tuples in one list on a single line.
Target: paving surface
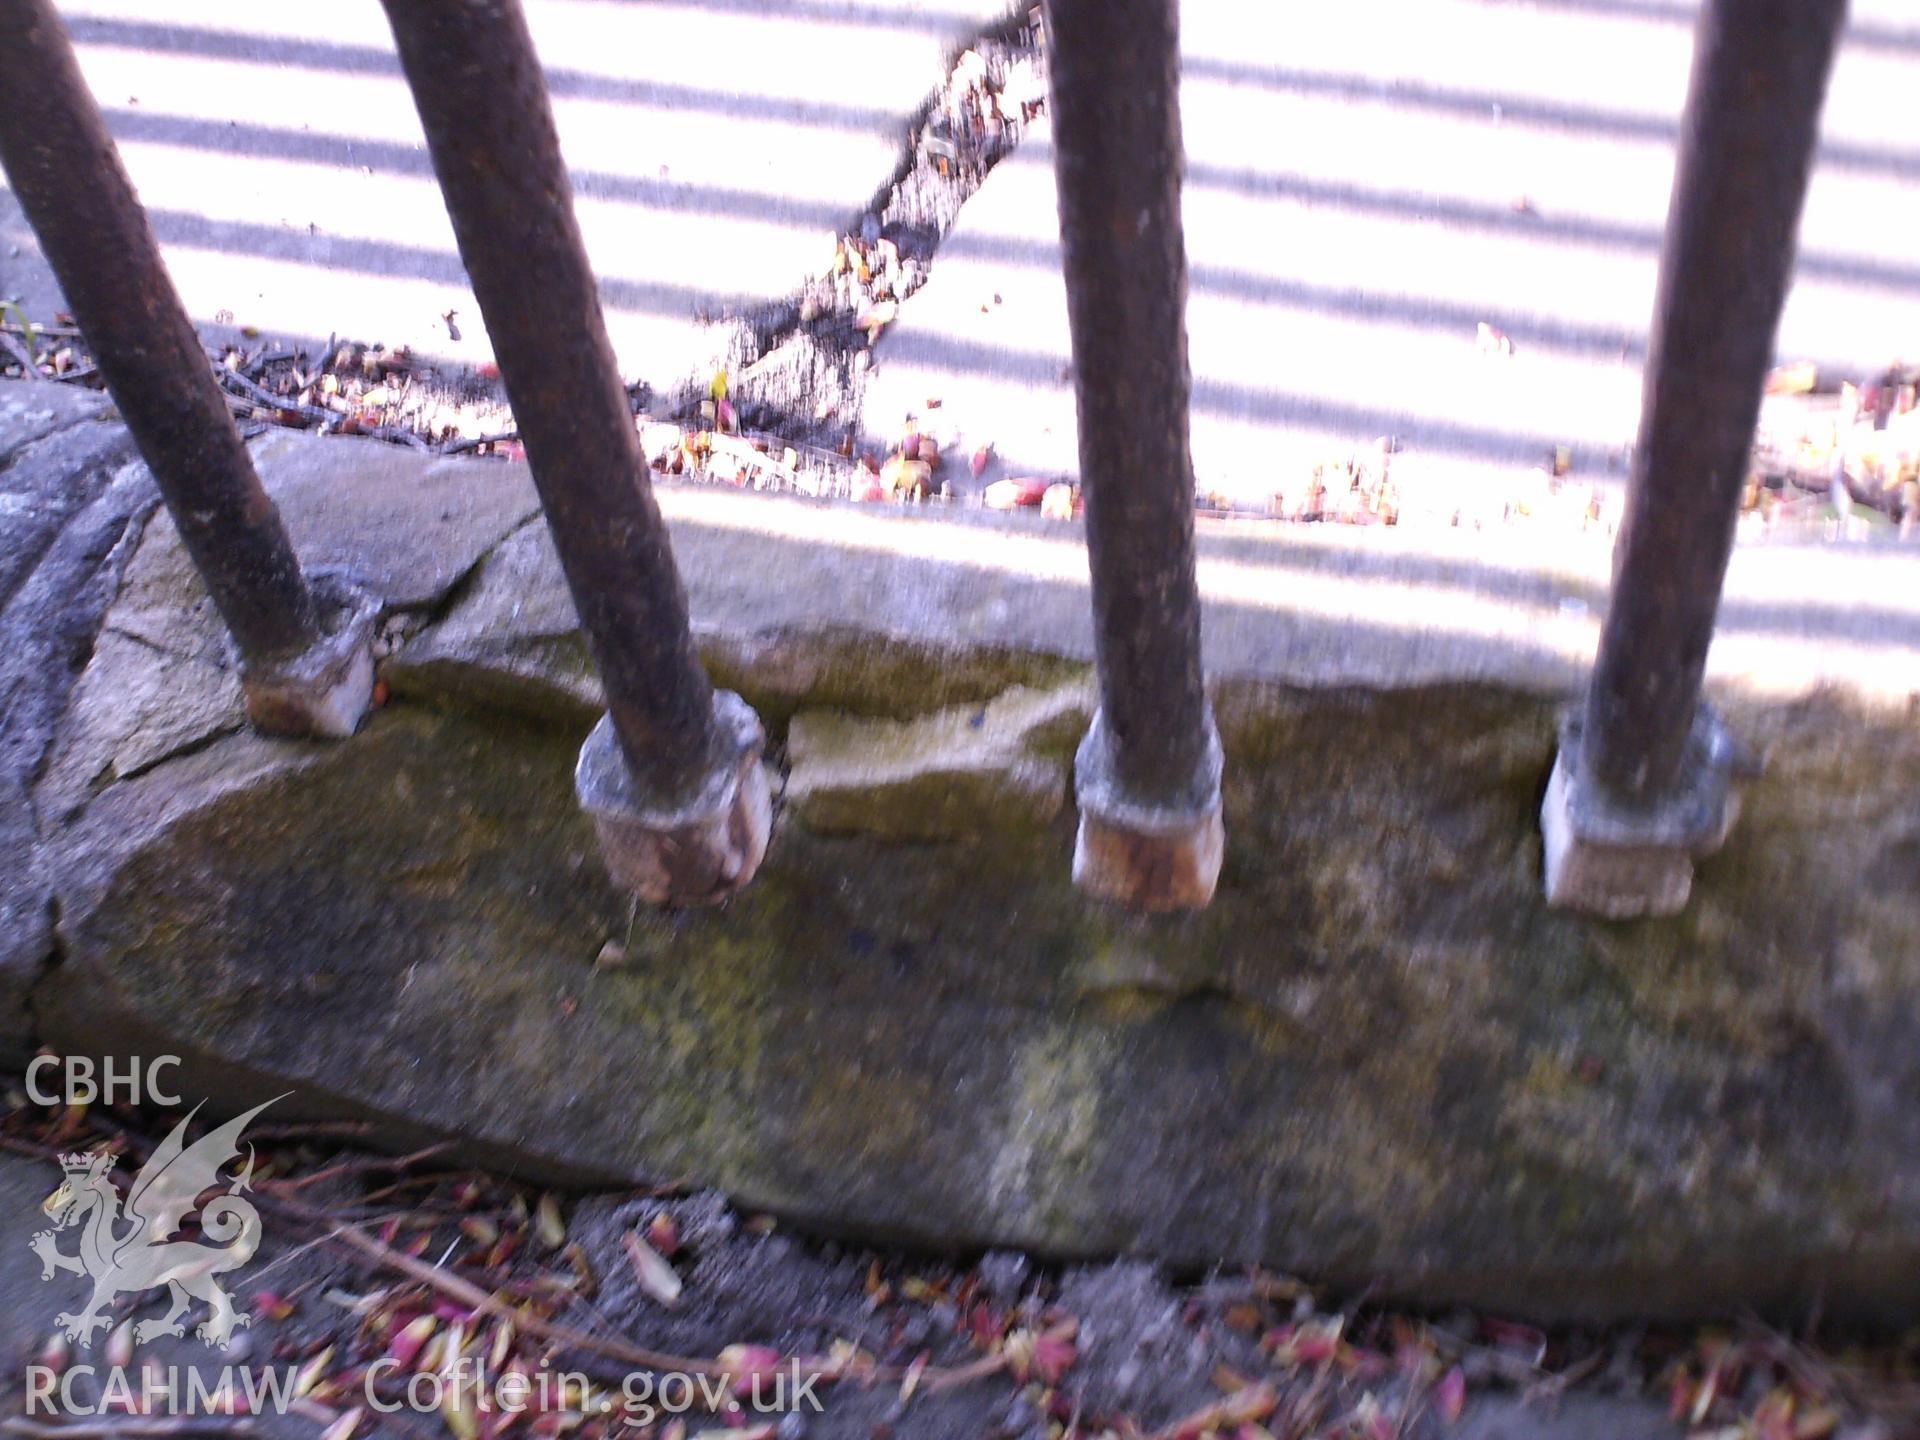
[(1367, 185), (716, 147)]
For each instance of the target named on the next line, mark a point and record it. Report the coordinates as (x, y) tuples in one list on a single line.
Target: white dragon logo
[(147, 1255)]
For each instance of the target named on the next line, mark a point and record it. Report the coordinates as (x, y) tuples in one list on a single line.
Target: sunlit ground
[(1367, 185)]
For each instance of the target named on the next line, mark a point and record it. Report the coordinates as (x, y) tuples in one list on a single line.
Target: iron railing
[(672, 774)]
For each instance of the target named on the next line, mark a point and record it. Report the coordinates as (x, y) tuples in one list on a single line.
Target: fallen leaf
[(1450, 1395), (1243, 1407), (405, 1347), (311, 1373), (658, 1278), (268, 1304), (663, 1234), (456, 1408), (912, 1380), (749, 1365)]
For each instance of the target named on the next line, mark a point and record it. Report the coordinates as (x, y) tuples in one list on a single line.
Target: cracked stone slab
[(29, 412), (405, 527), (165, 681), (71, 492), (799, 602), (49, 480)]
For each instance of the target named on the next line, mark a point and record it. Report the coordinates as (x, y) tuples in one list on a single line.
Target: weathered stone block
[(1378, 1058)]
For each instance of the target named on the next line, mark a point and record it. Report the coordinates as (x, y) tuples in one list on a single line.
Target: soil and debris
[(382, 1274), (1835, 455)]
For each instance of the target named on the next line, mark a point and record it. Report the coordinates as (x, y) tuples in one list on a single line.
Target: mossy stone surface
[(1376, 1058)]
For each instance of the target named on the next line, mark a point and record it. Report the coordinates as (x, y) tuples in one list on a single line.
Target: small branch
[(20, 352), (55, 332), (1243, 1407), (365, 1165), (472, 1296), (1558, 1383), (465, 1292), (461, 447), (259, 395)]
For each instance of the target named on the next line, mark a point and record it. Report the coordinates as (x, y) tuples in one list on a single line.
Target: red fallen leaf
[(1316, 1349), (747, 1364), (1053, 1356), (269, 1303), (1314, 1343), (1012, 494), (1244, 1317), (55, 1353), (487, 370), (382, 692), (650, 1268), (663, 1234), (1047, 1355), (980, 459), (984, 1325), (1450, 1395), (1244, 1407), (1680, 1395), (406, 1345)]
